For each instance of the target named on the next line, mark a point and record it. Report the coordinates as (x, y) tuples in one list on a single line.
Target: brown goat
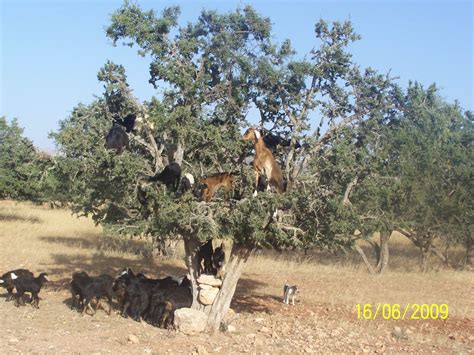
[(264, 162), (214, 182)]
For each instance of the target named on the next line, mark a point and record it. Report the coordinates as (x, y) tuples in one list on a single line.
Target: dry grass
[(57, 242)]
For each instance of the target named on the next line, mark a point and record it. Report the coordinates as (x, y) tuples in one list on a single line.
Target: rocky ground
[(279, 328)]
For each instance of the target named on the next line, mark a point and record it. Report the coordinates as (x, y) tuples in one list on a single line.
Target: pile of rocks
[(209, 286)]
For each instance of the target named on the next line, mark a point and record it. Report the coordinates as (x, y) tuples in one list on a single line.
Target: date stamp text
[(396, 311)]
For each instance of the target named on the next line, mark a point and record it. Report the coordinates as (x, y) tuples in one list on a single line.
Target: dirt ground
[(324, 318)]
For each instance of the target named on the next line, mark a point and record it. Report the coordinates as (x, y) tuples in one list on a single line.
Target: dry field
[(324, 318)]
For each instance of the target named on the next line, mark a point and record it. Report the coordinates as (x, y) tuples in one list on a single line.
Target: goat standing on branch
[(214, 182), (264, 162)]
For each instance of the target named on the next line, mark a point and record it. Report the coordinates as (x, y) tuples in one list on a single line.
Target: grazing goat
[(117, 139), (264, 163), (78, 282), (7, 282), (28, 284), (134, 292), (214, 182), (170, 176), (90, 287), (165, 300)]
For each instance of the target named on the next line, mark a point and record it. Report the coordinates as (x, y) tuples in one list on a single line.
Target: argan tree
[(211, 75)]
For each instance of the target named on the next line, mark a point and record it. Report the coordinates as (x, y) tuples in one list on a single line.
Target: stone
[(207, 297), (205, 287), (210, 280), (190, 321), (201, 350), (231, 328), (133, 339)]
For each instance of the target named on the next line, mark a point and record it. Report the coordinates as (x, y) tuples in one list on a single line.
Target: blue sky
[(50, 51)]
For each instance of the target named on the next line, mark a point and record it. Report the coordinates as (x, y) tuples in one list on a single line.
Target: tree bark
[(221, 304), (384, 254), (469, 255), (234, 267), (366, 260), (191, 246)]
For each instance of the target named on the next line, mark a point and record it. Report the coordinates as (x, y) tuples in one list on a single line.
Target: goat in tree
[(264, 162), (214, 182)]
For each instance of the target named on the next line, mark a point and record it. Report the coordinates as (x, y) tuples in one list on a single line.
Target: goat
[(264, 162), (214, 182), (170, 176), (98, 287), (135, 291), (289, 292), (7, 282), (165, 300), (218, 260), (272, 141), (28, 284), (128, 122), (117, 139), (204, 257), (187, 183), (79, 281)]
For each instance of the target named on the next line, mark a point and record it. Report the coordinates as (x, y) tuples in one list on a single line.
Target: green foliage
[(19, 163), (371, 163)]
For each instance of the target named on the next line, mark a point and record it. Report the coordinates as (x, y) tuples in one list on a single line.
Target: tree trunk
[(191, 247), (366, 260), (234, 270), (217, 311), (469, 255), (383, 259)]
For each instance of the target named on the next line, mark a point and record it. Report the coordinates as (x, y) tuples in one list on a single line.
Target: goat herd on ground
[(140, 297)]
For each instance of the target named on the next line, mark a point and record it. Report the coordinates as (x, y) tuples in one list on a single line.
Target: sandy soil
[(323, 320)]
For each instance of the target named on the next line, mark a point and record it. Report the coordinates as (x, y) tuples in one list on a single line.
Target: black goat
[(28, 284), (7, 282), (165, 300), (204, 257), (117, 139), (128, 122), (170, 176), (98, 287), (134, 292), (272, 140), (78, 282), (187, 183), (218, 259)]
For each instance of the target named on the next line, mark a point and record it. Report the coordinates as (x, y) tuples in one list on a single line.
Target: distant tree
[(18, 163), (435, 164)]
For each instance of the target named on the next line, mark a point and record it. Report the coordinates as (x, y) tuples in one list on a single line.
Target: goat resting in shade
[(264, 162)]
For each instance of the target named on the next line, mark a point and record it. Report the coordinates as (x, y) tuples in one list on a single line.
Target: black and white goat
[(170, 176), (7, 282)]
